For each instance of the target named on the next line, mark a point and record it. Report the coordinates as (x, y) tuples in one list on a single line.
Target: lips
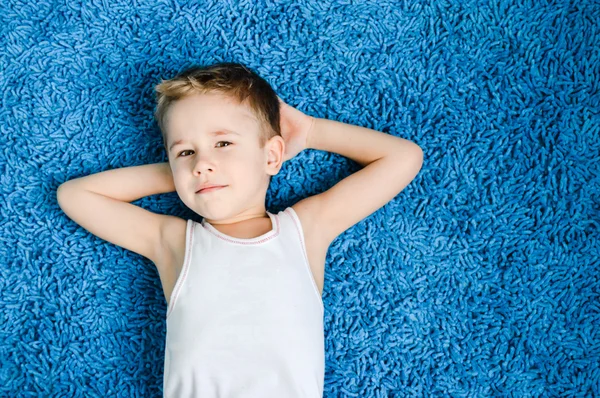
[(211, 189)]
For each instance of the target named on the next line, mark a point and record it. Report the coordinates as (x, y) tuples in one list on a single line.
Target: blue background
[(479, 279)]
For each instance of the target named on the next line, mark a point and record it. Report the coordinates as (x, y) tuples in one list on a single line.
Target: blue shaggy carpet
[(480, 279)]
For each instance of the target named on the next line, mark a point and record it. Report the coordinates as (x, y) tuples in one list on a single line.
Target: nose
[(203, 165)]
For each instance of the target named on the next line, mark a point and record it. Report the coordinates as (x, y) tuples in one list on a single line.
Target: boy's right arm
[(99, 203)]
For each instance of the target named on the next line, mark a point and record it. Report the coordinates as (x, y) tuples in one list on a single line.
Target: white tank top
[(245, 319)]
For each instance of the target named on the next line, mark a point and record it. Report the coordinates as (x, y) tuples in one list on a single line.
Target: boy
[(243, 287)]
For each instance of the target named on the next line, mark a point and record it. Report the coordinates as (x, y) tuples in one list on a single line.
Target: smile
[(208, 190)]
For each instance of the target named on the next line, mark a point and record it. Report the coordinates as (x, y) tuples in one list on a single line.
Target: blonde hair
[(234, 80)]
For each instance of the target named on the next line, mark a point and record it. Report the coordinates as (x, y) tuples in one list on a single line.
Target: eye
[(224, 142)]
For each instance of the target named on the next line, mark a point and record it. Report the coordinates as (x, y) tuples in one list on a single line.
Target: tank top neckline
[(259, 239)]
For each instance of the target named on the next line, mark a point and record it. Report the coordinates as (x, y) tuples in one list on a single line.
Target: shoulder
[(304, 209), (173, 233), (308, 211), (172, 237), (172, 252)]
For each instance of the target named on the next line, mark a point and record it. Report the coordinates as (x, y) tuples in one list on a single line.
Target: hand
[(296, 127)]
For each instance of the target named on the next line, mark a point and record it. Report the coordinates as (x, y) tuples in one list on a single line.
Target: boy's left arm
[(389, 164)]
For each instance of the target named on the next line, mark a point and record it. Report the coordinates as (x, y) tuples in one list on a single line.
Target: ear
[(274, 150)]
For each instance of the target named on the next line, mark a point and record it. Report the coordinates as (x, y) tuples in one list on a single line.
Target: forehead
[(204, 113)]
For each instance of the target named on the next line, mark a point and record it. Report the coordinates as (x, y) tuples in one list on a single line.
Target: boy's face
[(198, 156)]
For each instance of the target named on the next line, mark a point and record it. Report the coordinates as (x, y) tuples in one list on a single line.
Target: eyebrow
[(214, 133)]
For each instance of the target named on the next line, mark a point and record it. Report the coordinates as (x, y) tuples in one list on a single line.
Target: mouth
[(211, 189)]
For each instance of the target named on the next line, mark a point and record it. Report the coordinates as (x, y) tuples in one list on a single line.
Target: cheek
[(178, 181)]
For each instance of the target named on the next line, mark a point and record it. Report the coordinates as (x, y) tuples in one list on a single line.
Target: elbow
[(420, 156), (416, 155), (416, 161), (62, 191)]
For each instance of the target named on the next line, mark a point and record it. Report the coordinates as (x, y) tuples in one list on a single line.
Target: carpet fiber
[(479, 279)]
